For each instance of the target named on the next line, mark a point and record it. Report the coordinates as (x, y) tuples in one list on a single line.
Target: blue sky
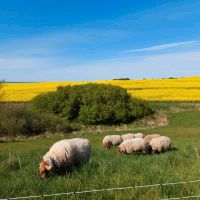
[(61, 40)]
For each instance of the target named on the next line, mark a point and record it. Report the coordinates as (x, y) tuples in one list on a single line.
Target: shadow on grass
[(164, 152), (67, 171), (173, 149)]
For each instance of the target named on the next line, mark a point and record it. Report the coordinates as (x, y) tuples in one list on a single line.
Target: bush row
[(19, 119)]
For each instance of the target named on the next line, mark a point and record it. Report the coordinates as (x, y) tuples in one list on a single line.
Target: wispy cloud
[(163, 46), (13, 63), (150, 66)]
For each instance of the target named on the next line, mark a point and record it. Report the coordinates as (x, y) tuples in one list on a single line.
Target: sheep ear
[(48, 167)]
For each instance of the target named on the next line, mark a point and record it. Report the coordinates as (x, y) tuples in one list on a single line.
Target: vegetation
[(20, 157), (179, 89), (18, 119), (92, 104), (121, 79), (2, 94)]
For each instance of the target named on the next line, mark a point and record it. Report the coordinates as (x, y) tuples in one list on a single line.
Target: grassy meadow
[(171, 89), (19, 159)]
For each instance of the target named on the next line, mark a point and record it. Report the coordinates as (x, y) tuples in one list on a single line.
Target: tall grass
[(107, 168)]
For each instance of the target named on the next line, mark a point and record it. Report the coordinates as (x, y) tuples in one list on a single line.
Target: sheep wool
[(128, 136), (148, 138), (139, 135), (133, 145), (65, 153), (111, 140), (160, 144)]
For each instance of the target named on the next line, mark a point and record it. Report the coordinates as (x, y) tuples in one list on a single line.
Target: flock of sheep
[(71, 152), (130, 143)]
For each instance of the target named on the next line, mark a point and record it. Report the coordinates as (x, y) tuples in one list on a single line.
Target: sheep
[(63, 154), (139, 135), (110, 140), (148, 138), (128, 136), (160, 144), (131, 136), (133, 145)]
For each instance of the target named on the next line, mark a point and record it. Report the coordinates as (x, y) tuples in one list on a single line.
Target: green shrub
[(19, 119), (52, 123), (92, 104), (139, 108), (104, 104), (45, 102)]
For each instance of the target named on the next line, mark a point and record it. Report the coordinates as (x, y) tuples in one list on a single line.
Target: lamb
[(148, 138), (65, 153), (128, 136), (160, 144), (110, 140), (133, 145)]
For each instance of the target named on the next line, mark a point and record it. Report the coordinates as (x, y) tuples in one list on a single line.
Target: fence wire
[(110, 189), (186, 197)]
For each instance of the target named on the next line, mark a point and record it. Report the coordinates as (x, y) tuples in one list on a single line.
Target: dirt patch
[(158, 119), (153, 121), (185, 107), (177, 109)]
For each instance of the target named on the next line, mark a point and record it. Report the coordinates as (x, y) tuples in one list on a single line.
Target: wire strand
[(186, 197), (109, 189)]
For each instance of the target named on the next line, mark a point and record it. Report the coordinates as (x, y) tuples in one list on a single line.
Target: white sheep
[(128, 136), (160, 144), (148, 138), (139, 135), (111, 140), (133, 145), (65, 153)]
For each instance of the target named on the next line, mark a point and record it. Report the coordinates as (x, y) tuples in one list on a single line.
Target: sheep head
[(120, 149), (44, 168), (107, 146)]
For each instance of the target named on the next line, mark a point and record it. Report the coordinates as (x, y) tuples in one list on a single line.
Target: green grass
[(169, 105), (19, 159)]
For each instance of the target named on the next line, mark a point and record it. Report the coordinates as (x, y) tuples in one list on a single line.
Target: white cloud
[(163, 46)]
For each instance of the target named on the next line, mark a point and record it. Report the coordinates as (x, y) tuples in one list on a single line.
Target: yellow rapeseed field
[(181, 89)]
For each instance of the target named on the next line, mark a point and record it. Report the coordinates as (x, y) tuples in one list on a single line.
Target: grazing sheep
[(148, 138), (133, 145), (65, 153), (128, 136), (160, 144), (139, 135), (110, 140)]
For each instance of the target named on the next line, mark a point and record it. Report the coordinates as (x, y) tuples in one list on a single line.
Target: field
[(181, 89), (20, 157)]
